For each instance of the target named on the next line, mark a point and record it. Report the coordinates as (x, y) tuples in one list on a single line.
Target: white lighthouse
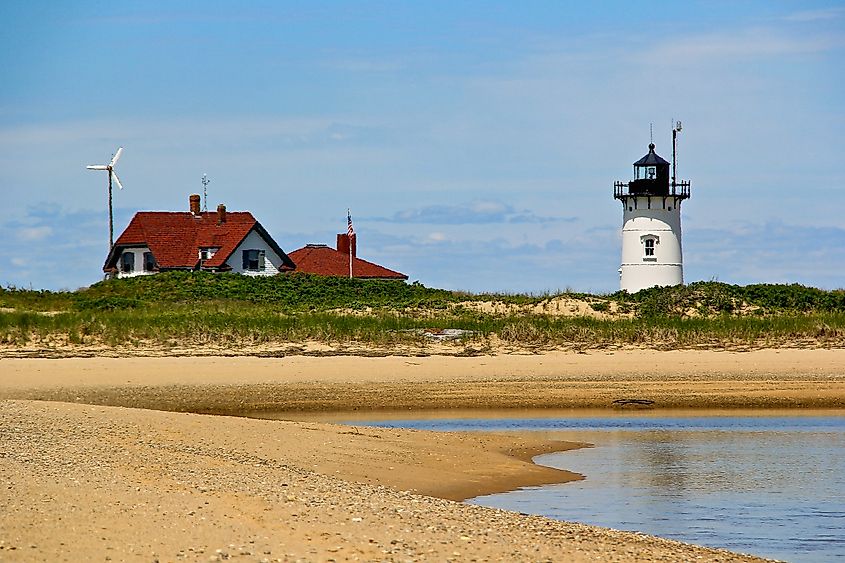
[(651, 225)]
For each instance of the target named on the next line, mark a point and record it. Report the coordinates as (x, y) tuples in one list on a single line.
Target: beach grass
[(183, 308)]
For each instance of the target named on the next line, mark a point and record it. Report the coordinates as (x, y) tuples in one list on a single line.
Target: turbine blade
[(116, 156), (116, 179), (97, 167)]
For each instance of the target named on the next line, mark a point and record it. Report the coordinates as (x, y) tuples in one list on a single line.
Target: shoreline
[(142, 482), (133, 484)]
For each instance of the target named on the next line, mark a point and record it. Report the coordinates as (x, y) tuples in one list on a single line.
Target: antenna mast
[(675, 130), (205, 182)]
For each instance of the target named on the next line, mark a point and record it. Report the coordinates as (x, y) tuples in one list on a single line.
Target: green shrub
[(600, 306), (110, 303)]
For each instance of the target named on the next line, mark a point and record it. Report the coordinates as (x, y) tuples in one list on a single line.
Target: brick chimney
[(343, 244), (221, 214), (195, 203)]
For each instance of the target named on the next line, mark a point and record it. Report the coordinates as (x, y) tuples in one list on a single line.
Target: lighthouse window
[(651, 172), (649, 247)]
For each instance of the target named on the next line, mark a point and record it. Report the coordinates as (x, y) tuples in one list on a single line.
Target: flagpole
[(349, 238)]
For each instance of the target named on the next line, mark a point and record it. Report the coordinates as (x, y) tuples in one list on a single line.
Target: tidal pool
[(773, 486)]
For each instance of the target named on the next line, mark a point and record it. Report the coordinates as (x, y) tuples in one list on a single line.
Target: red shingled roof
[(175, 238), (325, 261)]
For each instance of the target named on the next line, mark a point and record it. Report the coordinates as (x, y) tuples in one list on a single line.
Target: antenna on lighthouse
[(205, 182), (675, 130)]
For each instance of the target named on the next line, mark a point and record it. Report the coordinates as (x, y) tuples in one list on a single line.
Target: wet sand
[(780, 378), (96, 482)]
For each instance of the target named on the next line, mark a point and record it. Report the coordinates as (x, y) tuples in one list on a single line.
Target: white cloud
[(816, 15), (738, 44), (475, 212), (489, 207), (738, 253), (365, 65), (30, 234), (50, 233), (210, 130), (771, 252)]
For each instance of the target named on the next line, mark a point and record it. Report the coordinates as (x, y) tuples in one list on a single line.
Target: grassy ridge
[(182, 309), (181, 328), (257, 326), (295, 292), (308, 292), (707, 298)]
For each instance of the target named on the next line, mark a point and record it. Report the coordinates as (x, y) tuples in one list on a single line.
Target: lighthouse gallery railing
[(679, 189)]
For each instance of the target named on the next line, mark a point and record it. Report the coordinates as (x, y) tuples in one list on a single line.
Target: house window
[(127, 262), (649, 247), (207, 253), (253, 260), (149, 262)]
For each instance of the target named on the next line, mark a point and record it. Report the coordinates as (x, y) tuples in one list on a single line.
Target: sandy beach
[(91, 471), (769, 378)]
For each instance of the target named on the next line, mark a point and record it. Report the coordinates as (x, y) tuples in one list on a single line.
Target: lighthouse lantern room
[(651, 225)]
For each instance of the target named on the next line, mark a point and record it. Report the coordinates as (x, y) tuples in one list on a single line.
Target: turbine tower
[(112, 175)]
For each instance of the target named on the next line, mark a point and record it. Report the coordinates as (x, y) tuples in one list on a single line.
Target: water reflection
[(779, 494), (772, 486)]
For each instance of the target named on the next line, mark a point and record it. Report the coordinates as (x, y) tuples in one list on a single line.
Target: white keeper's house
[(221, 241)]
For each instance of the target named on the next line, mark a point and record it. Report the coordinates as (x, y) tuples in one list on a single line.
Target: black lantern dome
[(652, 179), (651, 175)]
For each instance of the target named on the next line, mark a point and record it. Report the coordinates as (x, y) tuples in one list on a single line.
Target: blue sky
[(476, 142)]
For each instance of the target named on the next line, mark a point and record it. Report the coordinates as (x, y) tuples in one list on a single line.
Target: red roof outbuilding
[(323, 260)]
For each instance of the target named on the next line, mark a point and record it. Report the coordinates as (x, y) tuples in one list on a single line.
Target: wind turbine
[(112, 175)]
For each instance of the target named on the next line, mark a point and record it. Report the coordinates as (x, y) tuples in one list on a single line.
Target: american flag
[(349, 230)]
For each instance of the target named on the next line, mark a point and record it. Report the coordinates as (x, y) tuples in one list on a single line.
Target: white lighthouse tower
[(651, 225)]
